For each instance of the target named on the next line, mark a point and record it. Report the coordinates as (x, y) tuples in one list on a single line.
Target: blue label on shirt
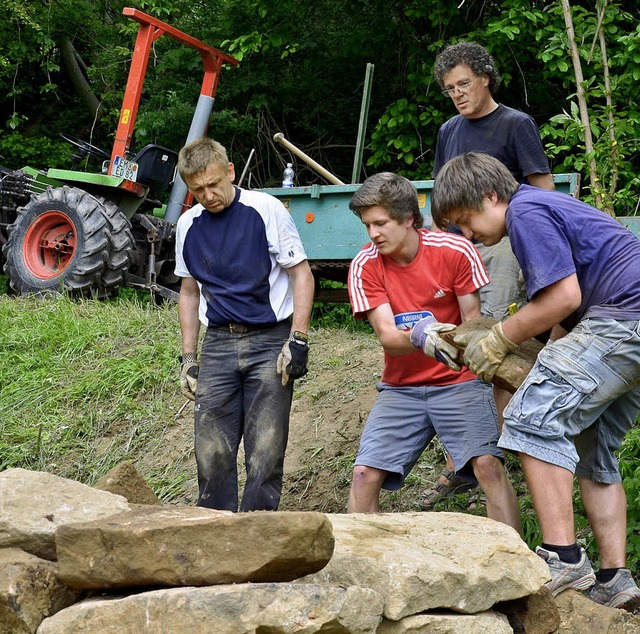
[(406, 321)]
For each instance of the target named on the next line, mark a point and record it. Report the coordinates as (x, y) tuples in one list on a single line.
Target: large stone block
[(239, 609), (30, 591), (580, 615), (182, 546), (33, 504), (428, 561)]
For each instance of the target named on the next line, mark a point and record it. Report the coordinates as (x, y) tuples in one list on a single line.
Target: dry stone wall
[(76, 560)]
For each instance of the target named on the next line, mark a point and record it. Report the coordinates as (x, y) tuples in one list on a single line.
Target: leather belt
[(240, 329)]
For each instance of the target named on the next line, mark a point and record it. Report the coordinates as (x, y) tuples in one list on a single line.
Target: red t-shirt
[(446, 266)]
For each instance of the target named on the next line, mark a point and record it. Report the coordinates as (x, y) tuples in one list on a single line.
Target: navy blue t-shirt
[(507, 134)]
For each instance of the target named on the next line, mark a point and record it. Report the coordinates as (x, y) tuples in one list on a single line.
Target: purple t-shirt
[(553, 235)]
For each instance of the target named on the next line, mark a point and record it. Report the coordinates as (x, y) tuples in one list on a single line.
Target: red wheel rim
[(49, 244)]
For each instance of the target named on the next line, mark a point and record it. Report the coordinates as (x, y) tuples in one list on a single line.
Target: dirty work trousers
[(240, 396)]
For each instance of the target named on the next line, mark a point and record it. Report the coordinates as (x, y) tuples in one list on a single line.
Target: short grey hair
[(471, 54), (391, 191), (197, 156), (465, 181)]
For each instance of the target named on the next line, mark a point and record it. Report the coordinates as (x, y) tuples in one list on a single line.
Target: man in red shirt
[(411, 284)]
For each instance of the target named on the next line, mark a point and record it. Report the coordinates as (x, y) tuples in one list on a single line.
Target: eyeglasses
[(463, 87)]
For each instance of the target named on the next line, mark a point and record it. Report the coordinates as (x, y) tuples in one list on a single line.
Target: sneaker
[(621, 592), (565, 576)]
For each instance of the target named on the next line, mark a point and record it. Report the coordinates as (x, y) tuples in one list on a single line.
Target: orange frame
[(149, 31)]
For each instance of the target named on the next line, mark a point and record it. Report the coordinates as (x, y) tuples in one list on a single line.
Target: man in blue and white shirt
[(245, 277)]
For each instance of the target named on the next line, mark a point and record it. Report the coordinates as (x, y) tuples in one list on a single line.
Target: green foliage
[(616, 156), (336, 314), (301, 73), (20, 150), (630, 472)]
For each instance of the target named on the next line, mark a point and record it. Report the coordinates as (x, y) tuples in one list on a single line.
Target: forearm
[(189, 322), (544, 181), (395, 342), (303, 288), (533, 319)]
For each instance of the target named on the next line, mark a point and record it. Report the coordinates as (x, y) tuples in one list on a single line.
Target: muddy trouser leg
[(218, 421), (267, 405)]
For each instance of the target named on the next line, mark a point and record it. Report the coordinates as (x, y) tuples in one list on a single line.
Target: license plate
[(125, 169)]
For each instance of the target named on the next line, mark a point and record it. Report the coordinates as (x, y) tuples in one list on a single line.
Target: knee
[(487, 469), (366, 476)]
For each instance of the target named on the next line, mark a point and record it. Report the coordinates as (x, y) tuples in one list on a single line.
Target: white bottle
[(287, 176)]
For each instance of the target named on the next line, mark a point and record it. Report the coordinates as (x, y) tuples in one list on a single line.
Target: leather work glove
[(189, 375), (425, 337), (485, 351), (293, 358)]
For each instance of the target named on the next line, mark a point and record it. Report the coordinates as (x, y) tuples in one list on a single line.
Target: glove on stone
[(425, 337), (485, 351)]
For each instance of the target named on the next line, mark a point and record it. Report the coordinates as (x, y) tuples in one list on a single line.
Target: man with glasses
[(468, 75)]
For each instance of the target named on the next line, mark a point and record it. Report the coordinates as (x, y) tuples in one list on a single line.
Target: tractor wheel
[(65, 239)]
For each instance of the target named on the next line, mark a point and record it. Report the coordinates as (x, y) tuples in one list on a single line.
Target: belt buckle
[(237, 329)]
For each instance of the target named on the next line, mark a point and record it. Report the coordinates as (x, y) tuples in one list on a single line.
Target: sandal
[(441, 490)]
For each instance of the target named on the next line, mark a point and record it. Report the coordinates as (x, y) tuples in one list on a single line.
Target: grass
[(83, 388)]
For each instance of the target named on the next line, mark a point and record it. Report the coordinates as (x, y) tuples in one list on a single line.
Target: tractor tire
[(66, 240)]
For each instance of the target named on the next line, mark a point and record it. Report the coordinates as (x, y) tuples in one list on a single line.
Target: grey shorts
[(404, 420), (579, 400)]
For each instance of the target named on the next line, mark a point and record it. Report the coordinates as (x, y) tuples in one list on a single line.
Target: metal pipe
[(197, 130), (246, 167), (362, 126), (279, 137)]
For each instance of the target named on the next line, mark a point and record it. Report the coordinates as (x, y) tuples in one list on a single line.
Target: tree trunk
[(80, 83), (596, 186)]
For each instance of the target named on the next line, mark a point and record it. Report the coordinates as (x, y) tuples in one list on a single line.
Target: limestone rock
[(276, 608), (426, 561), (488, 622), (125, 480), (535, 614), (580, 615), (516, 365), (35, 503), (180, 546), (29, 591)]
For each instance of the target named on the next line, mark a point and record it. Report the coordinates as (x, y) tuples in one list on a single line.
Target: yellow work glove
[(485, 351), (189, 375)]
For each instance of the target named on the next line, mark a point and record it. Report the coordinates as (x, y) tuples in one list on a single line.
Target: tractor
[(90, 233)]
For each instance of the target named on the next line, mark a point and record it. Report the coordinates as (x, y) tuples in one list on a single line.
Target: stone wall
[(77, 559)]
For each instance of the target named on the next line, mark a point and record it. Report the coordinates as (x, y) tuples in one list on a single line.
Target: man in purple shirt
[(582, 273)]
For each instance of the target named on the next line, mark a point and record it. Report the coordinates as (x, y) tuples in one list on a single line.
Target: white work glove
[(485, 350), (189, 375), (425, 337), (293, 358)]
